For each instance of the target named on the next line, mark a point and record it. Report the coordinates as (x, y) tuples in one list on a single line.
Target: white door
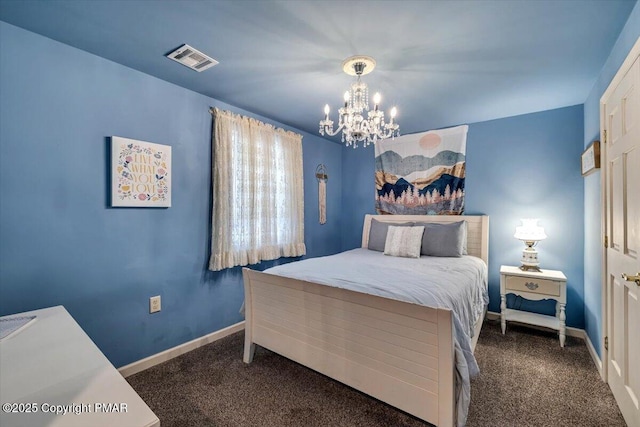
[(622, 189)]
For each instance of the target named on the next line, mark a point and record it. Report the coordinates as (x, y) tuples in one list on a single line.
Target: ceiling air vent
[(192, 58)]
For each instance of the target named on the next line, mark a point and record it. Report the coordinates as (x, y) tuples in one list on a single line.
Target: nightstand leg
[(503, 314), (562, 325)]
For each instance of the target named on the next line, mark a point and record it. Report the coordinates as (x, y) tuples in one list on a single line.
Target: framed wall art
[(590, 159), (140, 173)]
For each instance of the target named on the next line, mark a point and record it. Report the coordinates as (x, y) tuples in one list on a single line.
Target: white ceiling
[(441, 62)]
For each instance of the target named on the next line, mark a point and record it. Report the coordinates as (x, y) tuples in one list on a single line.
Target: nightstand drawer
[(535, 286)]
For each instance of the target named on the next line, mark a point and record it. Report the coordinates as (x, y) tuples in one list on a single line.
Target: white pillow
[(404, 241)]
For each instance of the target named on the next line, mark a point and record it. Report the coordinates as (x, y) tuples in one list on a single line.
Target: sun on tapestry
[(422, 173)]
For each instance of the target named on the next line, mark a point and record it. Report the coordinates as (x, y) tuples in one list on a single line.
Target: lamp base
[(530, 258)]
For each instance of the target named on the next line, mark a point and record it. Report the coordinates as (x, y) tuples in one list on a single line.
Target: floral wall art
[(140, 173)]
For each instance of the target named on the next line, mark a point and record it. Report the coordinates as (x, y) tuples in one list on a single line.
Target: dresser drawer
[(535, 286)]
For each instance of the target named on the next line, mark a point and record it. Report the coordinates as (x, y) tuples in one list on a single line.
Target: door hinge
[(606, 343), (606, 241), (604, 136)]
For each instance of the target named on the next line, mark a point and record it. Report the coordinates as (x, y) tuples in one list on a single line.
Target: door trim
[(622, 71)]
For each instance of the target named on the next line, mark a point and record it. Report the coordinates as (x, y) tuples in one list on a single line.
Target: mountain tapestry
[(422, 173)]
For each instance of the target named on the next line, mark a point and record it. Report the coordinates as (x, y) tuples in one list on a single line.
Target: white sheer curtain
[(258, 205)]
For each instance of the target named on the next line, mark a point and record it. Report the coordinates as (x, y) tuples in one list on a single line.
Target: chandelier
[(352, 122)]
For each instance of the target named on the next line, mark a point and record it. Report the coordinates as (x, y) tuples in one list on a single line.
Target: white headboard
[(477, 229)]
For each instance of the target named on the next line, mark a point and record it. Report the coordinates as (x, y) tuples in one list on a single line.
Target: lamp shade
[(530, 231)]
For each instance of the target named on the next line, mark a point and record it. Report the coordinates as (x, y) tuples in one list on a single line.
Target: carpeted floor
[(526, 380)]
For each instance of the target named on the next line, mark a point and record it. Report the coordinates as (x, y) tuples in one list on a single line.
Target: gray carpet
[(525, 380)]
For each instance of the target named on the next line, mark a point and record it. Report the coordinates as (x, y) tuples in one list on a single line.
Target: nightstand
[(533, 285)]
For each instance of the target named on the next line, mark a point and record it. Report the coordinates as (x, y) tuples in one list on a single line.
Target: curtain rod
[(275, 127)]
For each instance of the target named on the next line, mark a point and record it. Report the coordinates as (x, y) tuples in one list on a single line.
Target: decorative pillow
[(378, 234), (404, 241), (446, 240)]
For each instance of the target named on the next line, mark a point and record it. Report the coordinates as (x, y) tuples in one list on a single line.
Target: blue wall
[(593, 214), (517, 167), (62, 244), (358, 192)]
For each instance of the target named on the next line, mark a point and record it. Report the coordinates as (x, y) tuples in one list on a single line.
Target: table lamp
[(530, 233)]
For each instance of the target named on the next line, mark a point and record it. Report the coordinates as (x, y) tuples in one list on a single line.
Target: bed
[(408, 355)]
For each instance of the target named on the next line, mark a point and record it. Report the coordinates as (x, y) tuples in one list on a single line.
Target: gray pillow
[(378, 234), (404, 241), (446, 240)]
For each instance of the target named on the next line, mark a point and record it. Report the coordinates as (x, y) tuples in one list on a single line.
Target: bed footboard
[(397, 352)]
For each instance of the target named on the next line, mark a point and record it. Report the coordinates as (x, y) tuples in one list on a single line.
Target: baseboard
[(594, 354), (156, 359), (148, 362)]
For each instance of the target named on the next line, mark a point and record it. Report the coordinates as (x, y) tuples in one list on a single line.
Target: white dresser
[(53, 366), (533, 285)]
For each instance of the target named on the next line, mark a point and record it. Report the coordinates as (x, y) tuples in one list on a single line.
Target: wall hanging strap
[(322, 177)]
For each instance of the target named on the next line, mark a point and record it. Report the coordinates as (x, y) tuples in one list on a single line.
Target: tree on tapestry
[(422, 173)]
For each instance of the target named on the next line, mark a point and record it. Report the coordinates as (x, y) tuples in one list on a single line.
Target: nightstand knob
[(532, 286)]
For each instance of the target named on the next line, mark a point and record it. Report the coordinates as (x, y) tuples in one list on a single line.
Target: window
[(258, 204)]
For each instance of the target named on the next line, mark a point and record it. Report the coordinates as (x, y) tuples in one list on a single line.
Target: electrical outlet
[(155, 304)]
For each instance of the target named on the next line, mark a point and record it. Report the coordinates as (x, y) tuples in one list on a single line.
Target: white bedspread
[(459, 284)]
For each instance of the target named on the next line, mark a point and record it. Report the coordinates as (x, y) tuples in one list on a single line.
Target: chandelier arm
[(328, 129), (390, 132)]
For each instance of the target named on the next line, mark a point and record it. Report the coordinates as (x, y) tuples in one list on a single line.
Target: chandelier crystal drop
[(355, 120)]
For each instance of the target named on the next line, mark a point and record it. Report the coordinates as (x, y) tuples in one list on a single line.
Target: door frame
[(622, 71)]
